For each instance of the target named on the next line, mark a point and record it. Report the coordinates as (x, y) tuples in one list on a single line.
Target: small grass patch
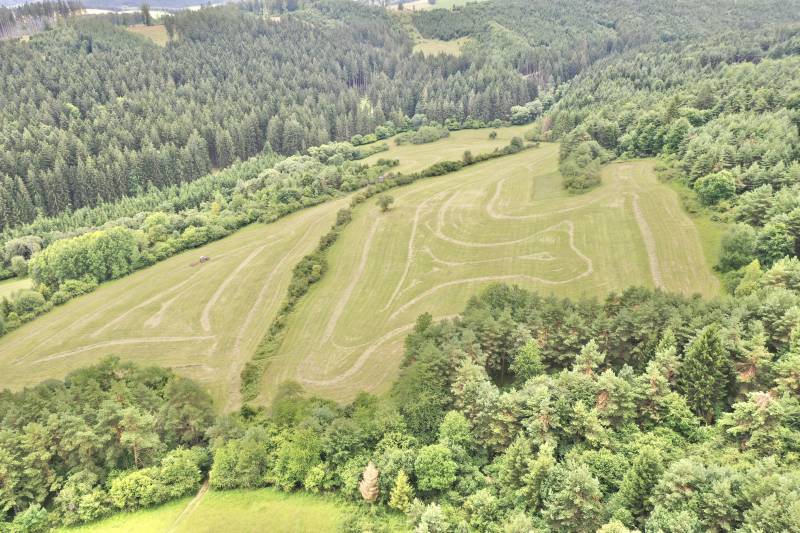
[(156, 33), (146, 521), (432, 47), (9, 287)]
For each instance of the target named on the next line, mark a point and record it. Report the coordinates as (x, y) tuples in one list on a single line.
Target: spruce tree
[(704, 374)]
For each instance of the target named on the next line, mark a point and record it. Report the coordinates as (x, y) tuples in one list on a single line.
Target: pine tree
[(634, 496), (575, 501), (589, 359)]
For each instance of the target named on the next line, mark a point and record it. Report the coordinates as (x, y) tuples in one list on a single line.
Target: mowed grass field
[(237, 510), (416, 157), (156, 33), (204, 320), (446, 238)]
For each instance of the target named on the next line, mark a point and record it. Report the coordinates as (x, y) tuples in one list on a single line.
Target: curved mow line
[(410, 255), (158, 296), (468, 244), (364, 357), (493, 213), (342, 302), (205, 318), (120, 342), (570, 232), (156, 318), (538, 256)]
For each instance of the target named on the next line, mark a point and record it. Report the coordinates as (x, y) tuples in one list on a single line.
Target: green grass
[(710, 231), (156, 33), (432, 47), (240, 511), (158, 519), (446, 238), (506, 220), (415, 157), (10, 286), (204, 320)]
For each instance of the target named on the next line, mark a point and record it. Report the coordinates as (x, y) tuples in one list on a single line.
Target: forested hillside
[(635, 411), (553, 41), (91, 113)]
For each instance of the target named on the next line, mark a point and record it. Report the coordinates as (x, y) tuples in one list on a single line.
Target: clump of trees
[(113, 435), (425, 134)]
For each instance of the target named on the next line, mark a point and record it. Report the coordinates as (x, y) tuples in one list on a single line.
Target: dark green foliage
[(704, 375)]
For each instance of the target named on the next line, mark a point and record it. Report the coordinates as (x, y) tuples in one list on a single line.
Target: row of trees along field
[(68, 255), (90, 112), (644, 411), (724, 115)]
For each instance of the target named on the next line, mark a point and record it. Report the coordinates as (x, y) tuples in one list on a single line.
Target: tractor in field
[(203, 259)]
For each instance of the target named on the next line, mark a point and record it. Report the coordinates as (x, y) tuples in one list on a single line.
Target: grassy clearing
[(505, 220), (9, 287), (445, 239), (432, 47), (204, 321), (415, 157), (156, 33), (240, 511)]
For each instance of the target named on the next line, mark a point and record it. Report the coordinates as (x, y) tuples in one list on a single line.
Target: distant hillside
[(125, 4)]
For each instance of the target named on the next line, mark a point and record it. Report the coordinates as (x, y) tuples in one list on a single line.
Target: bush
[(426, 134), (713, 188), (435, 468), (28, 302), (19, 266), (137, 489)]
